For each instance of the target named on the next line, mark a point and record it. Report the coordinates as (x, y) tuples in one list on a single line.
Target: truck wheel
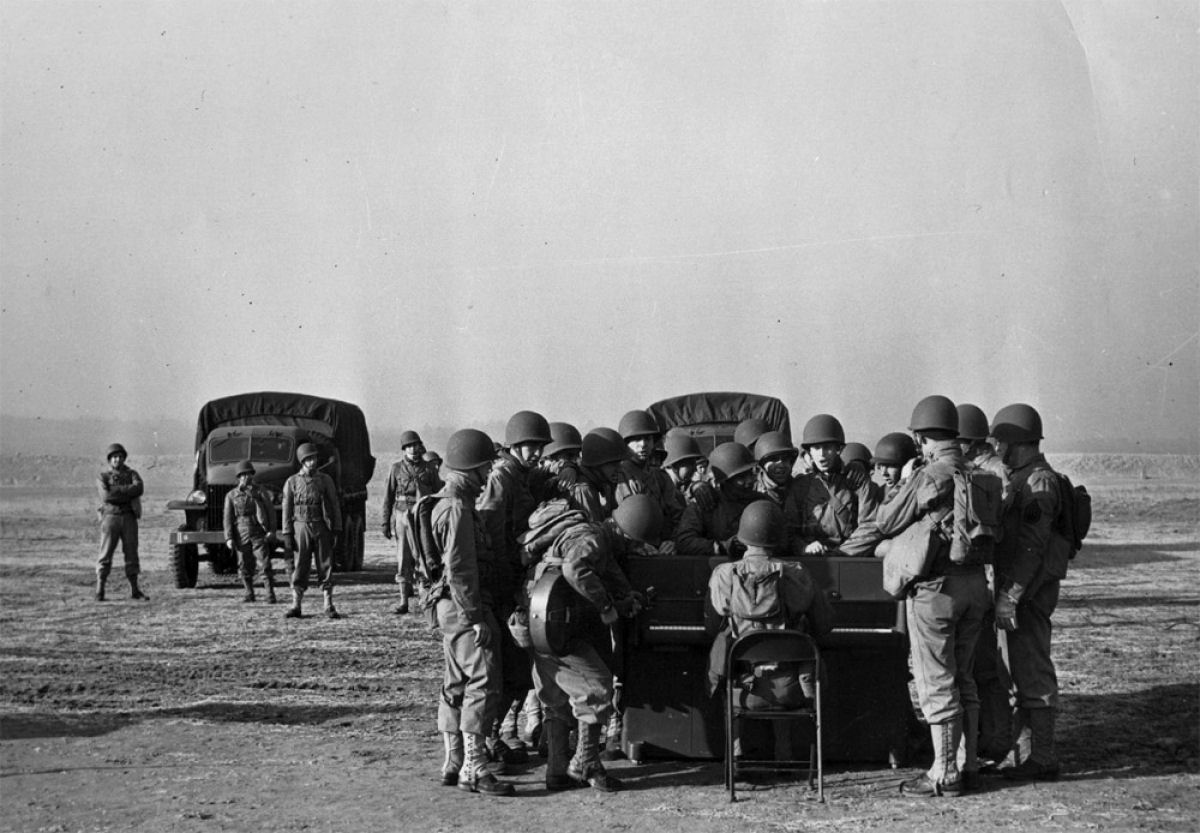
[(355, 540), (185, 564)]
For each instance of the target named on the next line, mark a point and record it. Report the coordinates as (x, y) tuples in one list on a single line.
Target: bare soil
[(195, 712)]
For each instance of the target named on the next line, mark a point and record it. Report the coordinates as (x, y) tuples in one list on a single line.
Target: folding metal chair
[(772, 646)]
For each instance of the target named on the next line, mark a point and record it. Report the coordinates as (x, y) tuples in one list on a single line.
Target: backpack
[(551, 519), (1074, 514), (754, 601), (978, 502), (418, 532)]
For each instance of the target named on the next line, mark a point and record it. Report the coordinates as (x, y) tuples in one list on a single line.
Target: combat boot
[(508, 741), (612, 744), (294, 611), (474, 777), (453, 762), (135, 592), (248, 583), (1042, 762), (99, 589), (968, 750), (269, 586), (558, 753), (585, 767), (330, 610), (943, 778)]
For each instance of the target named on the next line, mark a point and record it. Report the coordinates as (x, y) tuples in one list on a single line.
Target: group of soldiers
[(548, 500)]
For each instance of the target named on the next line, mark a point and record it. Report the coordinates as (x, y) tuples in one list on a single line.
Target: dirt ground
[(194, 712)]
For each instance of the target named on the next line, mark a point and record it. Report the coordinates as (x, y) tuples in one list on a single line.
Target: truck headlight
[(197, 496)]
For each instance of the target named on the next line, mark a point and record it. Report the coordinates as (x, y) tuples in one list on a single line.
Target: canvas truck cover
[(719, 412), (345, 421)]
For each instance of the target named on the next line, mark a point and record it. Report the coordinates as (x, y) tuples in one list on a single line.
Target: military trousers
[(468, 673), (118, 529), (251, 546), (405, 559), (314, 545), (944, 618), (575, 686), (1029, 658)]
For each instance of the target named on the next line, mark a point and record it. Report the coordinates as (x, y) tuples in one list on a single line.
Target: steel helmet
[(729, 460), (823, 428), (307, 450), (761, 525), (600, 448), (640, 518), (610, 433), (972, 423), (1017, 423), (934, 413), (408, 438), (563, 437), (432, 457), (245, 467), (772, 443), (526, 427), (638, 424), (115, 448), (894, 449), (469, 449), (856, 452), (680, 448), (749, 430)]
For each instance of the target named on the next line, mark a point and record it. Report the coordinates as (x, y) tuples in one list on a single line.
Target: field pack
[(754, 602), (548, 521), (1074, 514), (418, 531), (978, 502)]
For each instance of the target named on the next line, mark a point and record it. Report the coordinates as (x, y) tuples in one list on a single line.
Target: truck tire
[(349, 555), (185, 563)]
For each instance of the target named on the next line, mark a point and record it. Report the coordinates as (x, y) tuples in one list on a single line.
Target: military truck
[(267, 428)]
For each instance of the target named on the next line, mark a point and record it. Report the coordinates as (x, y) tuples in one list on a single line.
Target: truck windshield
[(271, 449), (258, 449)]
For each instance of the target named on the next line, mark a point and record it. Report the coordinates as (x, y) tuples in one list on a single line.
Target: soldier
[(776, 457), (312, 521), (991, 674), (564, 449), (410, 479), (599, 472), (577, 686), (120, 507), (249, 530), (470, 633), (683, 455), (641, 433), (504, 508), (714, 532), (824, 505), (760, 591), (944, 609), (1031, 561), (892, 452), (749, 430)]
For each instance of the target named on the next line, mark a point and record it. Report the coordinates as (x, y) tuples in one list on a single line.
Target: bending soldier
[(577, 685), (249, 529), (120, 490)]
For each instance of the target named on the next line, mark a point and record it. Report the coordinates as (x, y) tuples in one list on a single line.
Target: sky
[(448, 212)]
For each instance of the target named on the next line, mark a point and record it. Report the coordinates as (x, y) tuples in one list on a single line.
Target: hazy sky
[(449, 212)]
